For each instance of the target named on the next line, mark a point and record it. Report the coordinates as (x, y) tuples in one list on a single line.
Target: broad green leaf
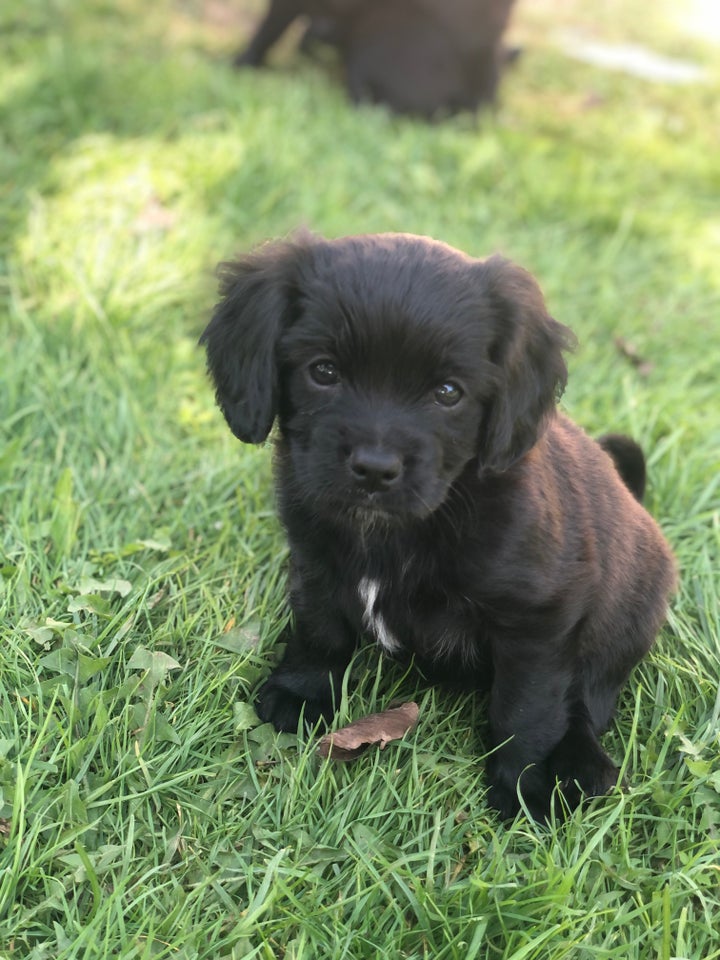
[(239, 639), (90, 585), (244, 717), (157, 663)]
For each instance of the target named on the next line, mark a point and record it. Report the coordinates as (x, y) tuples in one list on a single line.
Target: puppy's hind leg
[(579, 758)]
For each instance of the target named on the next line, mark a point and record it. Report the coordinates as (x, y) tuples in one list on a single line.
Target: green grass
[(144, 811)]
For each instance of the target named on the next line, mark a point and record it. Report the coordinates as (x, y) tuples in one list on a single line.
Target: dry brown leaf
[(377, 729)]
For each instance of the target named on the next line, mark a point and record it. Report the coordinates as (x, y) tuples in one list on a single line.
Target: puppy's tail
[(629, 461)]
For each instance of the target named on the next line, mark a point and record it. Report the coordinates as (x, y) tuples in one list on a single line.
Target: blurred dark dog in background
[(422, 57), (435, 498)]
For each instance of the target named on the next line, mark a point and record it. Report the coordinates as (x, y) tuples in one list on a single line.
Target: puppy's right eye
[(324, 373), (448, 394)]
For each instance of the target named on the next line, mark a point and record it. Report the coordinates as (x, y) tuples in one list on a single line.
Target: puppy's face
[(392, 362), (379, 406)]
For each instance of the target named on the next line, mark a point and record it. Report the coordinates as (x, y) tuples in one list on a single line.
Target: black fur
[(436, 499)]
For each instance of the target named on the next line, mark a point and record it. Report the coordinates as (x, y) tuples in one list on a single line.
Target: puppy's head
[(392, 363)]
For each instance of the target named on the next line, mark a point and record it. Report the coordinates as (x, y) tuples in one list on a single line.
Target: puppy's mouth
[(370, 517), (395, 508)]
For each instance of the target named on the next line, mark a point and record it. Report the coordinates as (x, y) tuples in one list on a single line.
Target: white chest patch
[(373, 621)]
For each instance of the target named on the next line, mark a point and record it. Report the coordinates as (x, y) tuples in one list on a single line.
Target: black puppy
[(416, 56), (434, 497)]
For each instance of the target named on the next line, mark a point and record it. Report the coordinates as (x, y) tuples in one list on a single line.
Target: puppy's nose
[(375, 469)]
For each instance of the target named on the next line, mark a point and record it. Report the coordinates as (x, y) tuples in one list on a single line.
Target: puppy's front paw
[(279, 705), (593, 775), (504, 800), (534, 788)]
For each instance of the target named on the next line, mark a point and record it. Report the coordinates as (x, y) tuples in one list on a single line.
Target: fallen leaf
[(377, 729)]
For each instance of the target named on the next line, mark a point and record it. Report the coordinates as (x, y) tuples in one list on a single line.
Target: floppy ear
[(256, 305), (527, 354)]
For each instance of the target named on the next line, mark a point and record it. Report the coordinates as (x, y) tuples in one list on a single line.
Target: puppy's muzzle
[(375, 469)]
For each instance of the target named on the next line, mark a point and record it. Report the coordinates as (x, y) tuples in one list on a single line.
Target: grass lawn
[(144, 811)]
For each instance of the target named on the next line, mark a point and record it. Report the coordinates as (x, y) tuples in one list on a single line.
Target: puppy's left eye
[(448, 394), (324, 373)]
